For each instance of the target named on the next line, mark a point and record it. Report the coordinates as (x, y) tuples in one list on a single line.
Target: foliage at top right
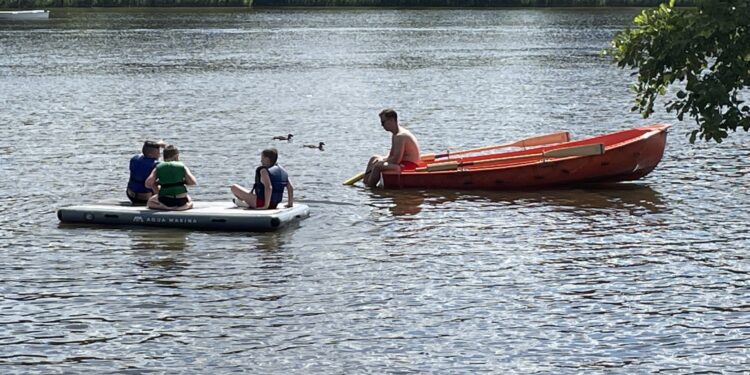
[(706, 49)]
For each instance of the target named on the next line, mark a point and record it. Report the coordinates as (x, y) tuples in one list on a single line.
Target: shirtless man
[(404, 153)]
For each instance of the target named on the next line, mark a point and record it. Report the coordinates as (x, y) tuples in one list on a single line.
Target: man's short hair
[(271, 154), (389, 113), (170, 152), (149, 146)]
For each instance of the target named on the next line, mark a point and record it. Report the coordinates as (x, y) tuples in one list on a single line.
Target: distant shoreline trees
[(36, 4), (29, 4)]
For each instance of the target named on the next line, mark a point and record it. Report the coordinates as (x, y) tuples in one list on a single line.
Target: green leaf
[(670, 44)]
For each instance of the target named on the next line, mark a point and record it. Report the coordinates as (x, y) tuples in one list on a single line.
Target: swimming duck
[(287, 137), (319, 146)]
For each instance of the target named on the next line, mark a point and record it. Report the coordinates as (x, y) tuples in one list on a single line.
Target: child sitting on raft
[(141, 167), (169, 180), (268, 189)]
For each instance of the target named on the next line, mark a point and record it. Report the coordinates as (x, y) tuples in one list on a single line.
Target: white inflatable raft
[(203, 215)]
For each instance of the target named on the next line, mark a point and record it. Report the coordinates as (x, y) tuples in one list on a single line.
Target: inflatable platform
[(203, 216)]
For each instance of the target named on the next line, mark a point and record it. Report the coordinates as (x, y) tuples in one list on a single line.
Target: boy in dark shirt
[(270, 182), (140, 168)]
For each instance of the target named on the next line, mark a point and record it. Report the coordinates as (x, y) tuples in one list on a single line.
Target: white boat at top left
[(24, 15)]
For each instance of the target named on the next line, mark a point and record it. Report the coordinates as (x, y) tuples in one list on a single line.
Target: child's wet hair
[(171, 152), (149, 147), (271, 154)]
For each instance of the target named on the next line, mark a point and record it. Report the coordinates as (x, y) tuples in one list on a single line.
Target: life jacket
[(279, 180), (140, 168), (171, 178)]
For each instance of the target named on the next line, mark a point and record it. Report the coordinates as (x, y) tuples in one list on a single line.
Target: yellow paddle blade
[(353, 180)]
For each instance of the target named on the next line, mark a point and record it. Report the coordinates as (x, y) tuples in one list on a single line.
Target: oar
[(538, 140), (353, 180), (585, 150)]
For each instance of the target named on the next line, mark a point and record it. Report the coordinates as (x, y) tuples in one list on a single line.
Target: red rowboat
[(620, 156)]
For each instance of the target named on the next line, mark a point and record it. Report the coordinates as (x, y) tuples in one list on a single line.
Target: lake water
[(643, 277)]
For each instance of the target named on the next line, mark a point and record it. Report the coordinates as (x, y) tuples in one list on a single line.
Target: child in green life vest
[(169, 180)]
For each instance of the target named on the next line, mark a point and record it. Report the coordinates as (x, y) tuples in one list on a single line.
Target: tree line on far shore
[(29, 4)]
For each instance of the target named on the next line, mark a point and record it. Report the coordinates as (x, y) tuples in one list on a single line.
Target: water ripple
[(642, 277)]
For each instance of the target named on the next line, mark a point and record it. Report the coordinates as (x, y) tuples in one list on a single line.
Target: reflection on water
[(160, 256), (399, 203), (632, 197), (158, 239), (270, 242)]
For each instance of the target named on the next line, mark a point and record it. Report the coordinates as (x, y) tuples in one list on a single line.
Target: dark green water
[(635, 278)]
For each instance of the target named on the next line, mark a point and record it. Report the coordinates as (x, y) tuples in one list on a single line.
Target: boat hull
[(629, 155)]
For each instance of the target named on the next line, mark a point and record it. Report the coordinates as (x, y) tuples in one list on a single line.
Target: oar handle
[(452, 165), (583, 150), (539, 140), (432, 157)]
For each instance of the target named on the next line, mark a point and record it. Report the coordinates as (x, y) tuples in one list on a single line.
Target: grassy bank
[(35, 4)]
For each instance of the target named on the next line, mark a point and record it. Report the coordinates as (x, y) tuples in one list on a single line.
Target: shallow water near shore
[(642, 277)]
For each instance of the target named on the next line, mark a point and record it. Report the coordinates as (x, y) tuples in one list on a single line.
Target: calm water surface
[(633, 278)]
